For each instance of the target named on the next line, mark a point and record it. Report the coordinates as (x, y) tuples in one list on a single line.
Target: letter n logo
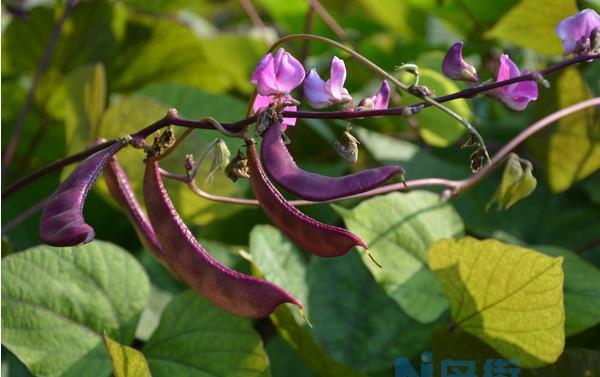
[(403, 368)]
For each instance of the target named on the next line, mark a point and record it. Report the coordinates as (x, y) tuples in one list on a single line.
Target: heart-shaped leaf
[(126, 361)]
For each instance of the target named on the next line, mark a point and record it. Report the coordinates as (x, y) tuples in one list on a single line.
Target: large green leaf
[(278, 260), (532, 24), (57, 302), (399, 229), (570, 150), (582, 290), (508, 296), (355, 323), (197, 338), (126, 361)]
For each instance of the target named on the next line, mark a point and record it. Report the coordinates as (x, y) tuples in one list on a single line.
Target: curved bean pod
[(118, 184), (313, 236), (281, 167), (237, 293), (62, 222)]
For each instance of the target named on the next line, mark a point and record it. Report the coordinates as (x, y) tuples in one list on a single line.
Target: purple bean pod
[(237, 293), (62, 222), (313, 236), (281, 167), (118, 184)]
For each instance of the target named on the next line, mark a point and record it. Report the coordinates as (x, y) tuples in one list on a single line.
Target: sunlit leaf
[(57, 302), (399, 229), (508, 296), (532, 24), (196, 337), (569, 150), (126, 361)]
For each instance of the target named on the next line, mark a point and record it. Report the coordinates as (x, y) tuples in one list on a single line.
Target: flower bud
[(455, 67)]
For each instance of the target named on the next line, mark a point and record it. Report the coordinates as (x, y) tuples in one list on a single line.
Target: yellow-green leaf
[(126, 361), (570, 150), (517, 183), (508, 296), (532, 24)]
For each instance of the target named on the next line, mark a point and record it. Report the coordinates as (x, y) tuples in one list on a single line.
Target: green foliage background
[(520, 283)]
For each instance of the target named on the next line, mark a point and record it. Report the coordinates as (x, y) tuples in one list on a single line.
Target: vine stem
[(453, 187), (173, 119), (44, 63)]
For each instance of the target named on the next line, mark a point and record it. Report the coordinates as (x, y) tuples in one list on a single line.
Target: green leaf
[(508, 296), (516, 183), (126, 361), (582, 290), (573, 362), (569, 150), (196, 337), (278, 260), (435, 126), (284, 361), (85, 103), (399, 229), (56, 303), (356, 321), (592, 187), (532, 24)]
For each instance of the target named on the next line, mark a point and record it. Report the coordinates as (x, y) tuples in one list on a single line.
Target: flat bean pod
[(237, 293), (281, 167), (62, 222), (120, 189), (313, 236)]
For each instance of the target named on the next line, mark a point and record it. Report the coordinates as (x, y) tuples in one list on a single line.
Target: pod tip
[(372, 258), (303, 314)]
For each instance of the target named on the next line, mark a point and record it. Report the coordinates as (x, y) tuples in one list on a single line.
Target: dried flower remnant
[(237, 293), (347, 146), (455, 67), (62, 222), (579, 33), (518, 95)]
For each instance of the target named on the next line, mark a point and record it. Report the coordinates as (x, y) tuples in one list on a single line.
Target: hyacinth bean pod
[(237, 293), (312, 236), (118, 184), (281, 167), (62, 222)]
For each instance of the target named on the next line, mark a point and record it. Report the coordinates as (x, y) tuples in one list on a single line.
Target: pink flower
[(576, 32), (277, 75), (321, 94), (264, 101), (380, 100), (517, 95), (455, 67)]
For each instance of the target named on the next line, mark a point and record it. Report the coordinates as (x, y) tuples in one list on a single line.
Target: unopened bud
[(420, 91), (541, 80), (455, 67), (189, 164)]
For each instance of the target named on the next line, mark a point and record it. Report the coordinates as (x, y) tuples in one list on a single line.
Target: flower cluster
[(277, 76)]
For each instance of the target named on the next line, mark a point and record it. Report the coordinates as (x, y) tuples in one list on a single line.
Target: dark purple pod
[(313, 236), (281, 167), (237, 293), (120, 189), (62, 222)]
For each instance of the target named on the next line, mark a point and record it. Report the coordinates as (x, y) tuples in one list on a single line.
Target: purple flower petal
[(289, 72), (455, 67), (382, 97), (337, 78), (316, 91), (516, 96), (277, 75), (576, 31)]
